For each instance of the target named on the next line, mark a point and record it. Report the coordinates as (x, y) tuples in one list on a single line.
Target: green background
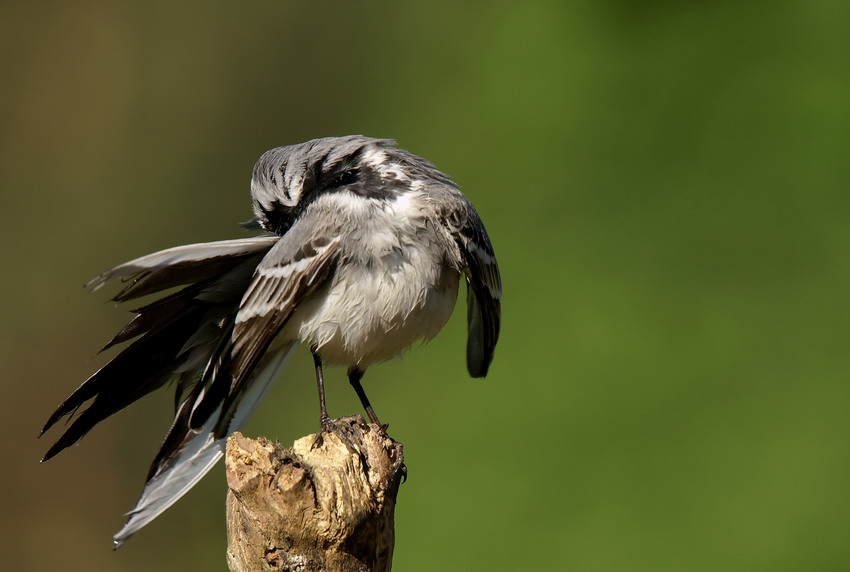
[(666, 187)]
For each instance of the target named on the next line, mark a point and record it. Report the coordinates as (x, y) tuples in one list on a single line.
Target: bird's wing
[(484, 286), (179, 265), (241, 371), (166, 331), (294, 269)]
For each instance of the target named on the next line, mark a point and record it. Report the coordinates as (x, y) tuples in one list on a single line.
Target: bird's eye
[(344, 178)]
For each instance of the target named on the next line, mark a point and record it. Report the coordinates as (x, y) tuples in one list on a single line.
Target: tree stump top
[(326, 503)]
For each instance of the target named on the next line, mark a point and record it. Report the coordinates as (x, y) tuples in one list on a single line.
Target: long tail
[(185, 337), (198, 451)]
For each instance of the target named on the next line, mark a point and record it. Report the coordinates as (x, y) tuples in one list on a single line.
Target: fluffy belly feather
[(367, 314)]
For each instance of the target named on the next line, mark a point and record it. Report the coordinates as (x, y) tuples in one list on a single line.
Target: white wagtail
[(364, 248)]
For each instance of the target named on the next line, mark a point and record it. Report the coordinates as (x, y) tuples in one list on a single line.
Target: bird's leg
[(324, 418), (328, 424), (354, 376)]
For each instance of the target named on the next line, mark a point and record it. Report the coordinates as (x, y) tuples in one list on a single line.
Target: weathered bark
[(327, 503)]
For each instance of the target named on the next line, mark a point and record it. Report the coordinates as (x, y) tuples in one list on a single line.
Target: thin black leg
[(354, 377), (324, 419)]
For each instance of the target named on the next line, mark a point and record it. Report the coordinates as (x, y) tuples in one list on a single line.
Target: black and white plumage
[(365, 248)]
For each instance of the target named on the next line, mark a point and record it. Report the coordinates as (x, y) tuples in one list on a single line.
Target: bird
[(361, 253)]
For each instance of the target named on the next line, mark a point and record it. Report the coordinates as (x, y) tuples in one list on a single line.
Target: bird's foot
[(327, 424), (332, 426)]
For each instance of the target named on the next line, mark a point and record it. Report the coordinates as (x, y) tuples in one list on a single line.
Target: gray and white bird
[(363, 253)]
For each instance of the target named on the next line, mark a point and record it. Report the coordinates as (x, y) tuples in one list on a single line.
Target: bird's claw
[(331, 426)]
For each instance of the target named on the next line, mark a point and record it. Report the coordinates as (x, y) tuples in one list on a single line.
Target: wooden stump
[(327, 503)]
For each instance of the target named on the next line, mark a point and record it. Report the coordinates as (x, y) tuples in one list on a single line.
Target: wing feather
[(484, 286), (295, 268), (180, 265), (161, 329), (292, 269)]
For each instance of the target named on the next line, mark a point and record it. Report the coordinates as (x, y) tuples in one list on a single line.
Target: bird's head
[(287, 179)]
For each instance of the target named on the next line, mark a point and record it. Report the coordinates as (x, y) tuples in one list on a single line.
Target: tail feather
[(177, 469)]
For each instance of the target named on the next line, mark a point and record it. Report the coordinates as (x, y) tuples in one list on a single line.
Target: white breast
[(392, 287)]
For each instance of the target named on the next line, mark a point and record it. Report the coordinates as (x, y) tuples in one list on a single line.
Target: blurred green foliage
[(666, 185)]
